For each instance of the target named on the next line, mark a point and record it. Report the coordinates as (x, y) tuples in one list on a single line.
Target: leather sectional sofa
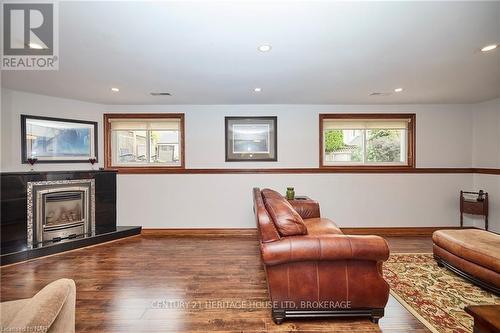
[(312, 268)]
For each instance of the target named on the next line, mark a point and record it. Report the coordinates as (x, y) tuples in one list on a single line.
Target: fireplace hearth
[(73, 212), (59, 211)]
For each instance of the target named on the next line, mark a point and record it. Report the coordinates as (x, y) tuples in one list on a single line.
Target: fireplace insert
[(60, 211), (63, 214)]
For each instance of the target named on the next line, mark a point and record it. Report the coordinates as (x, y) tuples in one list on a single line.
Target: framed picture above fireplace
[(57, 140)]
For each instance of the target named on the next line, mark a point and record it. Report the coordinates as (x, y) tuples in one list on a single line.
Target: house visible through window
[(367, 140), (140, 140)]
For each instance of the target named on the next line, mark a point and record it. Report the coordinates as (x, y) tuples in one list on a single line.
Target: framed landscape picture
[(56, 140), (251, 139)]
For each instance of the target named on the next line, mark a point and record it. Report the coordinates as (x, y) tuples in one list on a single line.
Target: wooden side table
[(474, 207), (486, 318), (299, 198)]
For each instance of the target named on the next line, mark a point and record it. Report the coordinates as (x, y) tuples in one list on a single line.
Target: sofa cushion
[(265, 225), (321, 226), (286, 219), (478, 246), (267, 193)]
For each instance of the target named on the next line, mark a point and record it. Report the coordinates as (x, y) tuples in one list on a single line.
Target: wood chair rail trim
[(390, 170)]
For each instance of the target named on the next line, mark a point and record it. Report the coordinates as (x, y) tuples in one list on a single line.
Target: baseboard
[(397, 231), (201, 232), (252, 232)]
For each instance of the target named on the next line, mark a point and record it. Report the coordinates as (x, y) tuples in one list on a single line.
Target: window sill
[(148, 169), (368, 167)]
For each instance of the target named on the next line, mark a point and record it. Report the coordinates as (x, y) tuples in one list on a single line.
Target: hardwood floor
[(177, 284)]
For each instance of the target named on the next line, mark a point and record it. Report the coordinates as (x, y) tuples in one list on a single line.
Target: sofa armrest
[(324, 248), (307, 209), (52, 308)]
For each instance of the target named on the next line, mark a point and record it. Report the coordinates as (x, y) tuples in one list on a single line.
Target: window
[(367, 140), (144, 140)]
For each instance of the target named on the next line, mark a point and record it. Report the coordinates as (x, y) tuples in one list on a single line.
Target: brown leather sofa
[(312, 268)]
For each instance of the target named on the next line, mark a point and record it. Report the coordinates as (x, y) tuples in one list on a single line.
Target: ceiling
[(322, 53)]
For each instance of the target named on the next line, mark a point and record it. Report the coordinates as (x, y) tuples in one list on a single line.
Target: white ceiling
[(323, 52)]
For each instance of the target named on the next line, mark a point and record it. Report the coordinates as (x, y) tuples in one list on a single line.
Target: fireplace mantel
[(55, 173), (13, 218)]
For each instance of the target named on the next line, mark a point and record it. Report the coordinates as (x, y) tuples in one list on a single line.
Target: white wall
[(444, 139), (486, 154), (486, 134), (443, 132), (490, 184), (208, 201)]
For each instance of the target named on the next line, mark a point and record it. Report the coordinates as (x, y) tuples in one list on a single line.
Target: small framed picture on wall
[(56, 140), (251, 139)]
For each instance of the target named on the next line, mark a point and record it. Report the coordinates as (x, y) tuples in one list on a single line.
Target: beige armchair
[(51, 310)]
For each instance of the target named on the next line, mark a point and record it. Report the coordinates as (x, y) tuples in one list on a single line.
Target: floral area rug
[(433, 294)]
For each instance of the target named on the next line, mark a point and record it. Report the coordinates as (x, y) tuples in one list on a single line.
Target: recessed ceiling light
[(35, 46), (489, 47), (265, 48), (257, 89), (160, 94), (115, 89), (398, 89)]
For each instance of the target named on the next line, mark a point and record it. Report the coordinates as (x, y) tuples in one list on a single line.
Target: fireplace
[(60, 211)]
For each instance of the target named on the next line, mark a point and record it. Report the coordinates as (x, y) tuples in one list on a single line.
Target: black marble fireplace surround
[(13, 218)]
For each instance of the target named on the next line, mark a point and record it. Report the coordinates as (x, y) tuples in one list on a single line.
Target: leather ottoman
[(471, 253)]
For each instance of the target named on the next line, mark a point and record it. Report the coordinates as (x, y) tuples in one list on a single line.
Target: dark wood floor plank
[(121, 286)]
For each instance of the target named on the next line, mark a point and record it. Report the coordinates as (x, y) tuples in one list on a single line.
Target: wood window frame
[(138, 169), (410, 149)]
